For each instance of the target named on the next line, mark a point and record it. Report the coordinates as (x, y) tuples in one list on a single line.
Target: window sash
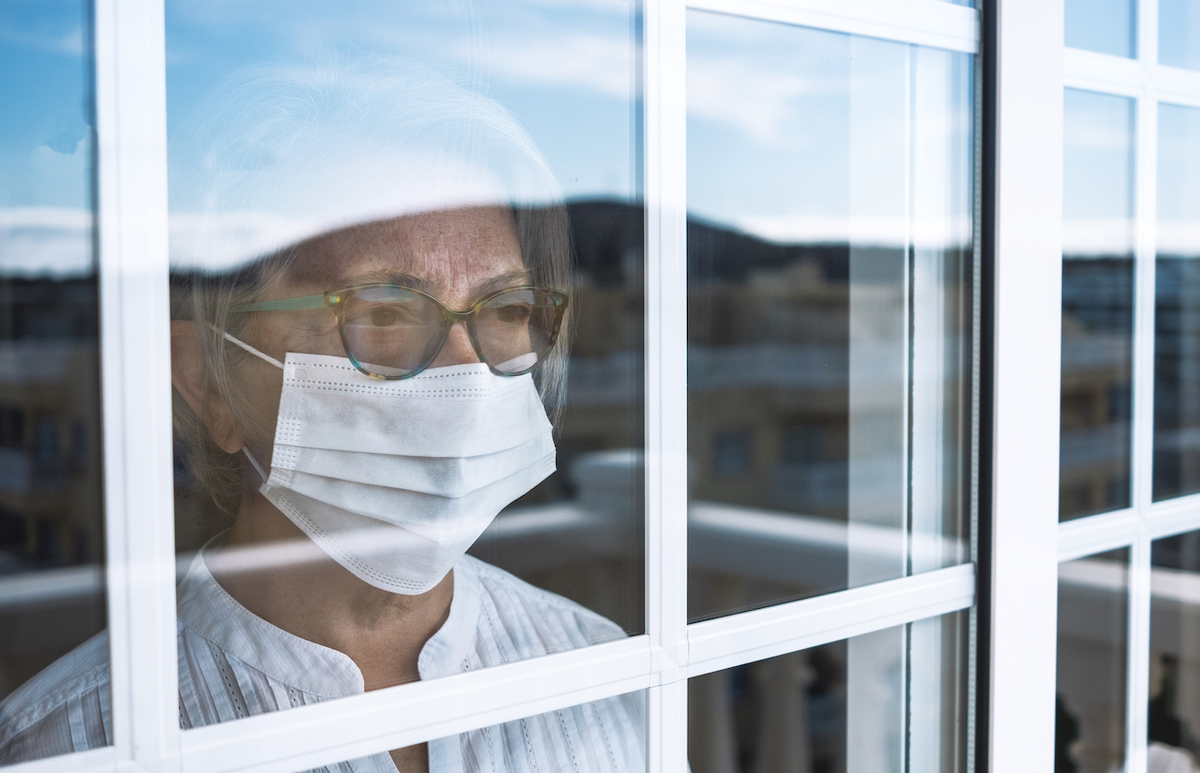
[(1136, 527), (1023, 51)]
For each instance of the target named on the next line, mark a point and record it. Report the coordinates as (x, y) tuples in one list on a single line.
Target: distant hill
[(606, 232)]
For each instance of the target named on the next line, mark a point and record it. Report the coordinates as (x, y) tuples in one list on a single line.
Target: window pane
[(829, 256), (1179, 33), (406, 254), (1174, 710), (892, 700), (1104, 26), (52, 602), (1093, 599), (1177, 312), (1097, 327), (605, 736)]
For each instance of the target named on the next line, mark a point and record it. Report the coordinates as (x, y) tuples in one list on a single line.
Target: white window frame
[(133, 267), (1147, 83), (1025, 145)]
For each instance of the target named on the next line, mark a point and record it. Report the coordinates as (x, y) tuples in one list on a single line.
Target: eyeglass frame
[(336, 300)]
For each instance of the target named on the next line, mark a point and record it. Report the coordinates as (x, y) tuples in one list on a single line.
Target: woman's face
[(457, 256)]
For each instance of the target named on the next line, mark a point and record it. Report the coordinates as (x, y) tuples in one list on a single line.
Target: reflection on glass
[(888, 701), (1097, 325), (1093, 598), (1103, 26), (51, 518), (829, 254), (1179, 33), (1174, 709), (1177, 307), (373, 296), (606, 735)]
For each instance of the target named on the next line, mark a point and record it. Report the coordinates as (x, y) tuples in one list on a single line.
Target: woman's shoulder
[(64, 708), (532, 620)]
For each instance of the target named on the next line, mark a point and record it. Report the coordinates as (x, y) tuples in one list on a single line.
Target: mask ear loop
[(262, 475), (249, 348)]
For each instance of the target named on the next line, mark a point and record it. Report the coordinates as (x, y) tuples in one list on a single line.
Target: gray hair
[(250, 136)]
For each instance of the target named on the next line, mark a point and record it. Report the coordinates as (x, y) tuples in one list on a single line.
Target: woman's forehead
[(446, 249)]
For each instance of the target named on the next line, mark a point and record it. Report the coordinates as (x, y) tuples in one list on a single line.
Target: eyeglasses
[(394, 332)]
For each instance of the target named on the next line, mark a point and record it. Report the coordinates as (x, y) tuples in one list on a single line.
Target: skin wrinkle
[(455, 255)]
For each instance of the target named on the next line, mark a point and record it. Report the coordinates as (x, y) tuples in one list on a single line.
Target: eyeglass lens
[(394, 332)]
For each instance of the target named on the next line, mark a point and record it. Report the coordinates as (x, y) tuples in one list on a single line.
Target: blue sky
[(792, 133), (800, 134), (44, 130), (1098, 169), (564, 68), (45, 138)]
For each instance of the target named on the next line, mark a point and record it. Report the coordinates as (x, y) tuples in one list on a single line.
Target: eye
[(383, 316), (513, 313)]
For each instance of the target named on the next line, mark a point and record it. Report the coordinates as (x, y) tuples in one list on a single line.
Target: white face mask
[(396, 479)]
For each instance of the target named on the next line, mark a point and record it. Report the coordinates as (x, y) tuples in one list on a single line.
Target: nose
[(457, 350)]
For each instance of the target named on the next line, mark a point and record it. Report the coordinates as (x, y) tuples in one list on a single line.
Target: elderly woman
[(364, 398)]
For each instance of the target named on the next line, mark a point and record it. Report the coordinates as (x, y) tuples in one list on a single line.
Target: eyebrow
[(392, 278), (486, 287), (500, 282)]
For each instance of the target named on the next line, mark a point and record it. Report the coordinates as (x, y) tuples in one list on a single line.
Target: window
[(1093, 626), (1127, 467), (868, 301), (53, 551), (836, 707)]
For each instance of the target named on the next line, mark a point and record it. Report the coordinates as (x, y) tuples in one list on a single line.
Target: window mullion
[(135, 373), (1137, 691), (664, 111), (1027, 247), (1145, 176)]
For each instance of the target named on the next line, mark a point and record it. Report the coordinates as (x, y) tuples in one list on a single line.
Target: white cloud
[(1115, 236), (600, 63), (575, 5), (1179, 237), (69, 43), (934, 233), (1098, 236), (219, 242), (45, 241), (1099, 136), (67, 167), (762, 103)]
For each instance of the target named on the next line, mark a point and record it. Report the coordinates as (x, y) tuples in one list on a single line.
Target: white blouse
[(233, 664)]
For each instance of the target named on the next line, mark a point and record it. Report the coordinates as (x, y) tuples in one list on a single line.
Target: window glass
[(406, 298), (1179, 33), (892, 700), (829, 310), (52, 603), (1093, 597), (1103, 26), (1097, 292), (1174, 709), (1177, 312)]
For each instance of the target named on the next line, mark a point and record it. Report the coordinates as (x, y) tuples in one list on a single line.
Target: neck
[(274, 570)]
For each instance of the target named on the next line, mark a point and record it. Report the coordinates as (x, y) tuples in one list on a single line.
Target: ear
[(189, 375)]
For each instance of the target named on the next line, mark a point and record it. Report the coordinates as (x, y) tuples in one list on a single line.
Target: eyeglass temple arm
[(285, 304)]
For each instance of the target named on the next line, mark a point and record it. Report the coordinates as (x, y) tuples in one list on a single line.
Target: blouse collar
[(206, 608)]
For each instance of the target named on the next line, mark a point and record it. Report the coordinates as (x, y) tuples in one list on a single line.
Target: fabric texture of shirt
[(234, 664)]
